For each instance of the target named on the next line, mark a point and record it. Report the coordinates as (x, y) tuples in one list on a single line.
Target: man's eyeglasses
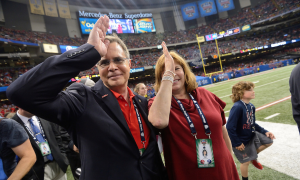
[(117, 60)]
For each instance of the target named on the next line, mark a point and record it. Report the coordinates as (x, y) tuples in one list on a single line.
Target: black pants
[(74, 160)]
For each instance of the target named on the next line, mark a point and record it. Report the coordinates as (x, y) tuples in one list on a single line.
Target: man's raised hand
[(97, 35)]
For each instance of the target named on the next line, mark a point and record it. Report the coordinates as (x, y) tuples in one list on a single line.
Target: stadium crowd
[(232, 46), (245, 16), (6, 108), (189, 53), (8, 75)]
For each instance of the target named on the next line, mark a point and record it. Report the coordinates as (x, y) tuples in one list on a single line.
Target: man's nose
[(112, 66)]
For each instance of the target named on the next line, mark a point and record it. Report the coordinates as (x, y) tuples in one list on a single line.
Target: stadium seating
[(245, 16)]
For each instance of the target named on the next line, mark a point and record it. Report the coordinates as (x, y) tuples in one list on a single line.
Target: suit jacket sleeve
[(39, 90), (295, 92)]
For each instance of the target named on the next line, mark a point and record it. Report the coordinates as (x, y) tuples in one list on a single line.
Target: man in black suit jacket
[(97, 118), (43, 166)]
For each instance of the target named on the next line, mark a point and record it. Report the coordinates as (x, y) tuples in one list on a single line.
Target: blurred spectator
[(141, 89), (14, 141)]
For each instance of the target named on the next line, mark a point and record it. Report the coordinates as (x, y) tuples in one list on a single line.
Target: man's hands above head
[(97, 35)]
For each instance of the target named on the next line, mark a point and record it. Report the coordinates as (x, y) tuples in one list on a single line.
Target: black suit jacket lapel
[(111, 102), (33, 143)]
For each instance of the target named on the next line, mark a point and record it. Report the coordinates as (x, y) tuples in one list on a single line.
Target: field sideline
[(270, 86)]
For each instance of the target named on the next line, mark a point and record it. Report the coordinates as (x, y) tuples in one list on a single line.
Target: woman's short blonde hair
[(137, 87), (190, 79), (239, 88)]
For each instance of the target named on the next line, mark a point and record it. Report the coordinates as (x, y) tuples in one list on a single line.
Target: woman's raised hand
[(169, 61)]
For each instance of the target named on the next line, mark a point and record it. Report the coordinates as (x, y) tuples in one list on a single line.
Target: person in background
[(14, 141), (184, 112), (247, 137), (151, 92), (50, 165), (141, 89)]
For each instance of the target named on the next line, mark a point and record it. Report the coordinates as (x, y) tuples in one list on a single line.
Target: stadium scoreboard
[(119, 23)]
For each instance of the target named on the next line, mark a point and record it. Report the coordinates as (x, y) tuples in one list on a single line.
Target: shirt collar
[(24, 118), (117, 95)]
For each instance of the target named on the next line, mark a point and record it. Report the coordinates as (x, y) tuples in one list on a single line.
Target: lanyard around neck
[(34, 135), (143, 140), (250, 115), (189, 120)]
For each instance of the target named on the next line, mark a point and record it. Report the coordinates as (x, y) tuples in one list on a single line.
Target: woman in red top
[(184, 158)]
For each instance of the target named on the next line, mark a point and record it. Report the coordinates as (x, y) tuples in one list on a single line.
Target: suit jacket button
[(141, 162)]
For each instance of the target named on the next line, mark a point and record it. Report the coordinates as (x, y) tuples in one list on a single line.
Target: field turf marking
[(261, 85), (269, 117), (272, 82), (273, 103), (268, 105), (242, 77), (253, 82), (225, 96)]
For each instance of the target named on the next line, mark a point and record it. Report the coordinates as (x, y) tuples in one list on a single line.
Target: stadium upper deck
[(245, 16)]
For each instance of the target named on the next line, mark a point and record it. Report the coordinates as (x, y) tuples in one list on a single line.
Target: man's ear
[(129, 63)]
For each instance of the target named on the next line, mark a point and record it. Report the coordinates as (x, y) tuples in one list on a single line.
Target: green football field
[(270, 86)]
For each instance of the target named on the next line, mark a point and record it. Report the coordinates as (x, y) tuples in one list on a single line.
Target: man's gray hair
[(115, 38)]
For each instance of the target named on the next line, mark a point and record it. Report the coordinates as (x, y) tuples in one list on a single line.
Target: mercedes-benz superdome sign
[(113, 16), (119, 23)]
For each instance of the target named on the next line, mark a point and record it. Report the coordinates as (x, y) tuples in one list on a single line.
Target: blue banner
[(3, 89), (116, 25), (18, 42), (189, 11), (202, 81), (207, 7), (64, 48), (87, 24), (137, 70), (144, 25), (225, 5)]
